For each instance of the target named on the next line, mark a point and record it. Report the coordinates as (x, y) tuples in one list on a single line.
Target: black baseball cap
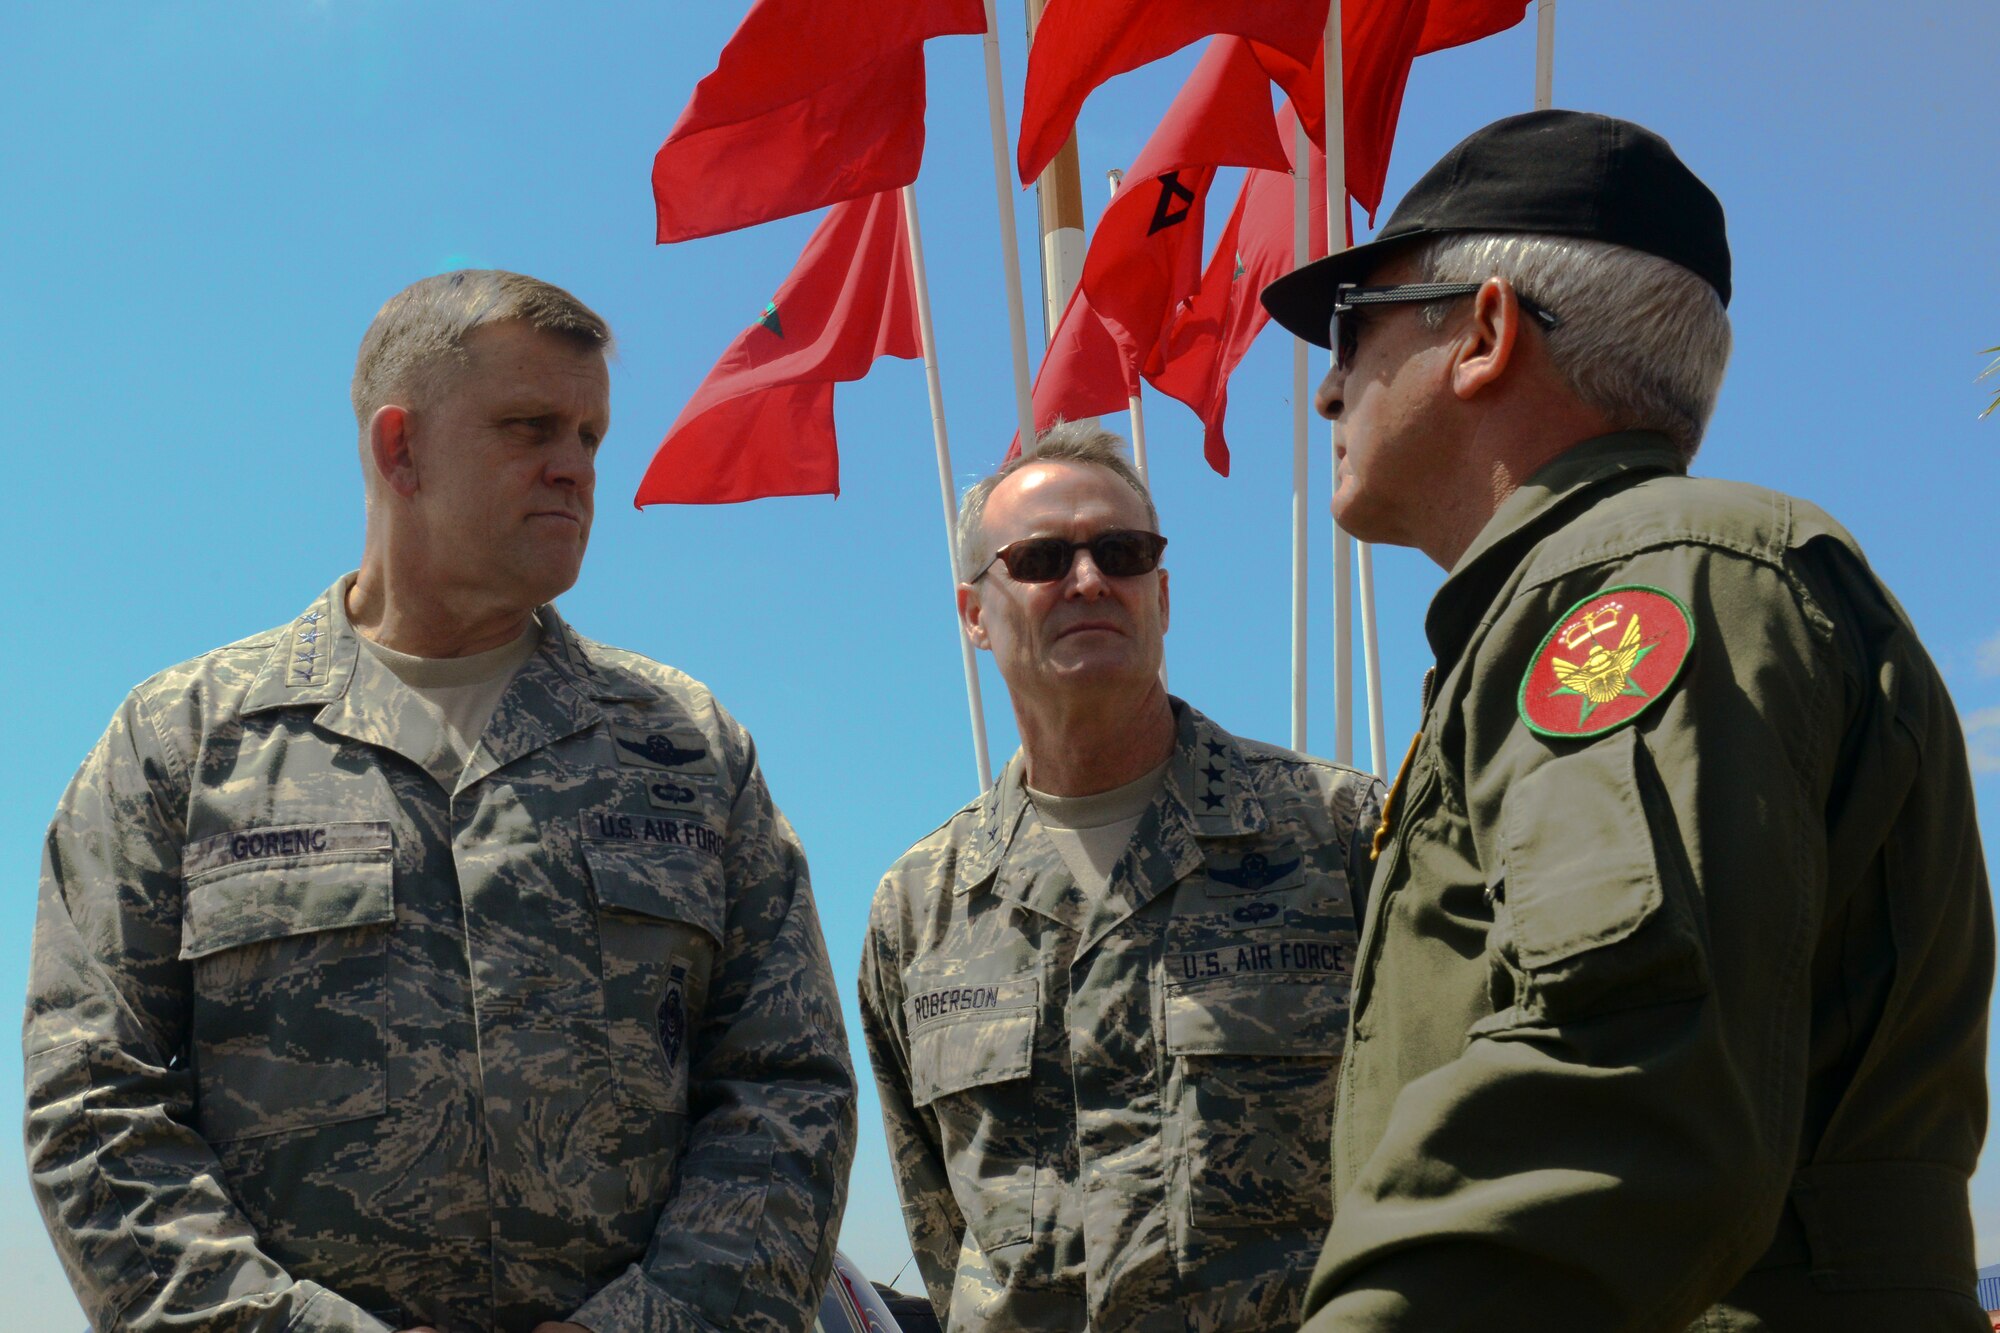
[(1570, 173)]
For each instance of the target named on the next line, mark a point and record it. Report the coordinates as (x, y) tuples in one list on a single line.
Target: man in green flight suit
[(1671, 1003), (420, 963)]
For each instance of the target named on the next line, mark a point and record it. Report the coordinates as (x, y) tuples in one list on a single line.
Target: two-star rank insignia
[(1605, 661)]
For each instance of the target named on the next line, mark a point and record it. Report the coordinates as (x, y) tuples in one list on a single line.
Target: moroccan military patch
[(1605, 662)]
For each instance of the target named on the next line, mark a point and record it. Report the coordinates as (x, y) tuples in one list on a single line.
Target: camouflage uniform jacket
[(1680, 1020), (1113, 1112), (316, 1041)]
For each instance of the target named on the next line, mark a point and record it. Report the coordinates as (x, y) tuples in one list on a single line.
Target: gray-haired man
[(1671, 1006), (421, 962), (1104, 1002)]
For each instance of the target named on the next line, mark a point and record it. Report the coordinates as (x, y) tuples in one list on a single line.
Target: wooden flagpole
[(1301, 389), (1059, 203), (1010, 240), (973, 702)]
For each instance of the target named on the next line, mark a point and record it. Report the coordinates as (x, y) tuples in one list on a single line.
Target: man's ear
[(973, 616), (1166, 609), (1486, 348), (389, 448)]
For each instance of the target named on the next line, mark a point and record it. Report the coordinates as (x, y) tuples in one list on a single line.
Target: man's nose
[(1328, 401), (1085, 578), (572, 463)]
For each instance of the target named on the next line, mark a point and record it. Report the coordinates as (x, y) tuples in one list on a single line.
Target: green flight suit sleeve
[(1611, 1148), (930, 1212), (131, 1193), (746, 1241)]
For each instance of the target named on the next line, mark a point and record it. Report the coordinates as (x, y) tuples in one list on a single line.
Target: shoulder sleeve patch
[(1605, 661)]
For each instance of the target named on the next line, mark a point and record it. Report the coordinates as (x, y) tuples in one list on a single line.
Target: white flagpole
[(1010, 241), (931, 382), (1133, 410), (1371, 663), (1545, 54), (1301, 387), (1336, 241)]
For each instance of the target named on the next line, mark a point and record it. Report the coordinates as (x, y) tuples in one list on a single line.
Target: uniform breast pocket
[(1252, 1090), (659, 930), (972, 1054), (286, 932)]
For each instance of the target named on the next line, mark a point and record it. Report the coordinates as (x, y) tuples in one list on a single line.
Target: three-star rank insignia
[(1605, 662)]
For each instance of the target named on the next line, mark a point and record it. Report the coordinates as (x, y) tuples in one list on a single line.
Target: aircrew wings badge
[(1605, 662)]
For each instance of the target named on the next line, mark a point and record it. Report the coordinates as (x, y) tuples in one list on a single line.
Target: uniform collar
[(314, 660), (1548, 498), (1207, 793)]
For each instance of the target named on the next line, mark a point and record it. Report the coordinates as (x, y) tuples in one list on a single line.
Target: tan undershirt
[(463, 691), (1093, 831)]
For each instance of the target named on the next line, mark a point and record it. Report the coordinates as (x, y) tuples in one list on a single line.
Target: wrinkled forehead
[(1061, 498)]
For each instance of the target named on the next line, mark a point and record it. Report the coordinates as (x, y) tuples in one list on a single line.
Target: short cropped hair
[(1064, 442), (1642, 339), (419, 334)]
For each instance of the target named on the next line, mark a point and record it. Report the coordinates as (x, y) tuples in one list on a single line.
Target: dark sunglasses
[(1344, 336), (1121, 553)]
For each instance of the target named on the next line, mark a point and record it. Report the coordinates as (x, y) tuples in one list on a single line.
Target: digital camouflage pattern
[(1682, 1024), (1113, 1113), (324, 1035)]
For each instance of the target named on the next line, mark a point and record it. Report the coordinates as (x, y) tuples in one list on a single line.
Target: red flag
[(1456, 22), (812, 102), (1378, 40), (1081, 43), (1083, 374), (762, 422), (1145, 256), (1214, 330)]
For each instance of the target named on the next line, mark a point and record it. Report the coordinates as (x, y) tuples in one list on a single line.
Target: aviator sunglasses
[(1344, 334), (1120, 553)]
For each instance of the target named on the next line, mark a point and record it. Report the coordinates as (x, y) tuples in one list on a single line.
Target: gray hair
[(1642, 339), (1064, 442), (420, 332)]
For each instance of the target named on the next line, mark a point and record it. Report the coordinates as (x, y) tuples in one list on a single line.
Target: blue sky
[(206, 203)]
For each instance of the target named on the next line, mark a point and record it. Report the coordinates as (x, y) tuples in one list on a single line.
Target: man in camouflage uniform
[(1104, 1001), (421, 962), (1674, 977)]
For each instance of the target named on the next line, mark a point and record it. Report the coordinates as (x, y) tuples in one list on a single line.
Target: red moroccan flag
[(1456, 22), (1145, 256), (1214, 330), (1081, 43), (812, 102), (1083, 373), (1378, 40), (762, 422)]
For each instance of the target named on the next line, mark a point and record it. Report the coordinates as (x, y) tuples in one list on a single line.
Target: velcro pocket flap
[(1580, 866), (272, 899), (640, 879), (967, 1033), (1274, 1014)]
